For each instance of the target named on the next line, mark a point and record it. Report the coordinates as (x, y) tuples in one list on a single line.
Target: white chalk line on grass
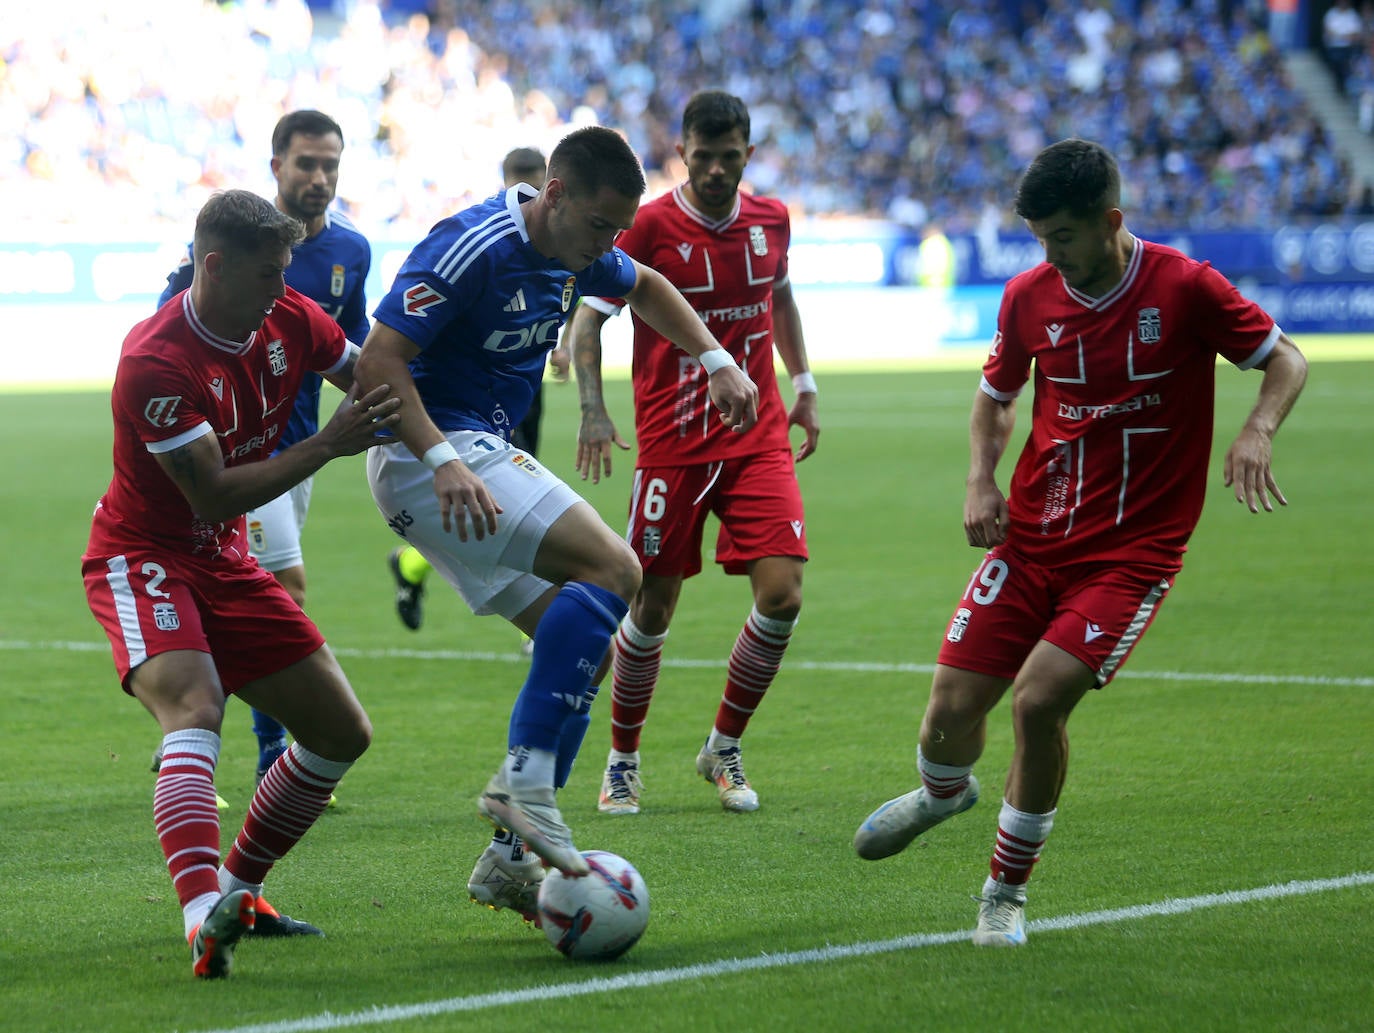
[(849, 666), (380, 1015)]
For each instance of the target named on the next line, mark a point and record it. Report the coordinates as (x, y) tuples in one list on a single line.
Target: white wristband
[(804, 383), (716, 358), (439, 454)]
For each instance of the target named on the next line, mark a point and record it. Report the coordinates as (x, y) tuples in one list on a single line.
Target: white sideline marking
[(734, 966), (513, 657)]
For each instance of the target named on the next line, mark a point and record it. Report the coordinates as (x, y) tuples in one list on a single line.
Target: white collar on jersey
[(697, 215), (214, 340)]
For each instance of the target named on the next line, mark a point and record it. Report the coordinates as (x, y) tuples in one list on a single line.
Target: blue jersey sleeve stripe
[(471, 244)]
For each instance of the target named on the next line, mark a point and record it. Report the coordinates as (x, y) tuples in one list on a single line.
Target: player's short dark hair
[(1076, 176), (523, 164), (594, 157), (713, 113), (239, 222), (306, 122)]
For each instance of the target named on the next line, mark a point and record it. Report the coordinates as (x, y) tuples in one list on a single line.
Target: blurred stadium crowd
[(117, 116)]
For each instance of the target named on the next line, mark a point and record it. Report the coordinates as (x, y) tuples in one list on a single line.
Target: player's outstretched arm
[(659, 304), (1248, 468), (597, 434), (460, 492), (217, 492)]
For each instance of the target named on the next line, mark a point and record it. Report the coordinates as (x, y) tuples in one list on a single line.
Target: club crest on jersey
[(336, 281), (653, 540), (162, 412), (276, 357), (421, 297), (959, 624), (757, 241), (165, 617), (1147, 328), (568, 288)]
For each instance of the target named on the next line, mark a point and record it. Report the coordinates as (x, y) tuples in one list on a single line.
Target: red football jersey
[(1115, 466), (176, 381), (726, 269)]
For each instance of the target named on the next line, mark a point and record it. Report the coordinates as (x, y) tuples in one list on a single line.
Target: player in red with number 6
[(726, 250), (1123, 335)]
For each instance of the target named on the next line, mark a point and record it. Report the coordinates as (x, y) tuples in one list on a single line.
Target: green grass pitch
[(1235, 755)]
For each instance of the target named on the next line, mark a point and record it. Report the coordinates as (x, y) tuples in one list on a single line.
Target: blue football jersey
[(330, 269), (485, 308)]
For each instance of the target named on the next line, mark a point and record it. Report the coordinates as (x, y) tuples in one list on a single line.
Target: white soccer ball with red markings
[(598, 916)]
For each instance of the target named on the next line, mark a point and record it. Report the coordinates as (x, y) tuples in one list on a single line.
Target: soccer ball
[(599, 916)]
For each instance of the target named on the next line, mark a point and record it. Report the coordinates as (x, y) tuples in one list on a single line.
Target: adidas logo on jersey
[(516, 303)]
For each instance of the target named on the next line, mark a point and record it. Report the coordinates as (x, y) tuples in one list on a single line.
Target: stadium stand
[(132, 114)]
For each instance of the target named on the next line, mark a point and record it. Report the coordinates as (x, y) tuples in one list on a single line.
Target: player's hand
[(1247, 471), (985, 515), (358, 422), (803, 415), (736, 396), (594, 440), (559, 364), (462, 496)]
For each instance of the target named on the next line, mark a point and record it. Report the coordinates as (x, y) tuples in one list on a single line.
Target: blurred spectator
[(1342, 38), (936, 264), (1283, 24), (1360, 86)]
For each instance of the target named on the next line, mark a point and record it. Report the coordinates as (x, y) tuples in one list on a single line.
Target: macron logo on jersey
[(420, 298), (516, 303), (1054, 332), (1092, 632)]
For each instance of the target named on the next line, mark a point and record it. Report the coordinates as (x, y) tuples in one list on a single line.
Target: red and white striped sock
[(187, 820), (1020, 838), (943, 782), (294, 792), (635, 664), (754, 663)]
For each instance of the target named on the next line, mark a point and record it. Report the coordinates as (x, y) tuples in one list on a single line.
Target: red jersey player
[(1123, 336), (726, 251), (202, 393)]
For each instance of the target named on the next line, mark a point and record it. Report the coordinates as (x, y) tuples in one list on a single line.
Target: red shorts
[(1093, 611), (756, 498), (152, 601)]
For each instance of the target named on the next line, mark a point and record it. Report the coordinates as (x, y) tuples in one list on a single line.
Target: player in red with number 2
[(202, 395), (1123, 335)]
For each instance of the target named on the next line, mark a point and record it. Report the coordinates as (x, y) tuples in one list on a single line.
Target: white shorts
[(274, 528), (492, 574)]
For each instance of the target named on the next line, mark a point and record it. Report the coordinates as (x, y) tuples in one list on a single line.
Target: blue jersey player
[(461, 338), (329, 267)]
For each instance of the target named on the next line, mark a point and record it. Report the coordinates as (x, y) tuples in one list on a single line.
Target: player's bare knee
[(344, 740), (359, 740), (619, 571), (204, 714), (784, 605), (1038, 713)]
